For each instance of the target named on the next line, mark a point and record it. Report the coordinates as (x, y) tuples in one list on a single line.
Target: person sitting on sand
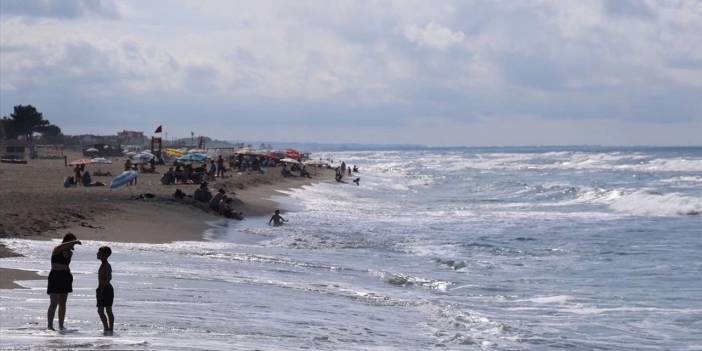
[(180, 175), (215, 202), (104, 293), (277, 219), (284, 172), (304, 173), (179, 194), (168, 177), (355, 169), (225, 209), (87, 181), (69, 182), (224, 206), (202, 194), (254, 165), (60, 279)]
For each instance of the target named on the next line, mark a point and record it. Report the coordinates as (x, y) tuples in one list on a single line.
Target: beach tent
[(82, 161), (192, 158)]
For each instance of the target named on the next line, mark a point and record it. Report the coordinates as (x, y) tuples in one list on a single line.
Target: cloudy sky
[(540, 72)]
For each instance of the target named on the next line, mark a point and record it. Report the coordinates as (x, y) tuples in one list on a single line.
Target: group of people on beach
[(60, 284), (80, 177), (342, 170), (288, 172), (220, 202)]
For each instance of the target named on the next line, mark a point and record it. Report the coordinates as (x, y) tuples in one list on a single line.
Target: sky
[(440, 73)]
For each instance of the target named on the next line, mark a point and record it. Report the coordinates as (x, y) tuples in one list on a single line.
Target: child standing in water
[(105, 293), (277, 219)]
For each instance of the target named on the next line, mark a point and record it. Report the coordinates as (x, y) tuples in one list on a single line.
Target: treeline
[(24, 121)]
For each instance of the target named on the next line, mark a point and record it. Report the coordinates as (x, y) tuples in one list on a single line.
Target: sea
[(532, 248)]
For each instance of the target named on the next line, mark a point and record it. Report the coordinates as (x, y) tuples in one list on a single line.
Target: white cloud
[(321, 64), (433, 36)]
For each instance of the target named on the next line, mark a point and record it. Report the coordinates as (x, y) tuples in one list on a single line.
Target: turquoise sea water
[(470, 249)]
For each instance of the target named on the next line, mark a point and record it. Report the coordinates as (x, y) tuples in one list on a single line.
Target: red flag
[(158, 130)]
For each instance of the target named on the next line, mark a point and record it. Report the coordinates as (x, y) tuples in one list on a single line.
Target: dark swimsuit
[(60, 281)]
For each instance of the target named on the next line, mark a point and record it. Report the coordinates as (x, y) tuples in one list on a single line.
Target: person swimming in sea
[(277, 219)]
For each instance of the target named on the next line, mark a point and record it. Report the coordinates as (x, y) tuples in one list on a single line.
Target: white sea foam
[(446, 250), (643, 201)]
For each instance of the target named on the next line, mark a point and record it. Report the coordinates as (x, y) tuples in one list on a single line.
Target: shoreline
[(32, 208)]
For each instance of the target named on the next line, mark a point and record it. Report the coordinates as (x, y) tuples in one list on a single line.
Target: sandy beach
[(35, 205)]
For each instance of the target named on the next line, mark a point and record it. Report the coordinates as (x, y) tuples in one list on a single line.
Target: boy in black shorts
[(104, 293)]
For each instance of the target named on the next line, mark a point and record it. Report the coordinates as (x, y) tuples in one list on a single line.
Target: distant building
[(130, 137), (89, 139), (13, 149)]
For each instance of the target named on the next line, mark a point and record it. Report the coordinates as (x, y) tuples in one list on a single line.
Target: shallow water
[(494, 249)]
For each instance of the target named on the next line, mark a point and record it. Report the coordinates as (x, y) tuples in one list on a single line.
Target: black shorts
[(108, 296), (60, 282)]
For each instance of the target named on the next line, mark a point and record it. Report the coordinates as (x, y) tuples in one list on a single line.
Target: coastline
[(35, 205)]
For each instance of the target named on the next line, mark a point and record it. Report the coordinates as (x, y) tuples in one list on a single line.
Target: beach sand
[(35, 205)]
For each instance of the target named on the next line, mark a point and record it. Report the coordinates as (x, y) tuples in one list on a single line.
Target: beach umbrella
[(123, 179), (82, 161), (142, 157), (174, 152), (92, 149), (292, 153), (247, 151), (197, 151), (192, 158), (289, 160)]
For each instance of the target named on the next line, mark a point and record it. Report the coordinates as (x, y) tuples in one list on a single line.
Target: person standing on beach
[(128, 167), (213, 169), (60, 279), (77, 175), (277, 219), (105, 293), (220, 167)]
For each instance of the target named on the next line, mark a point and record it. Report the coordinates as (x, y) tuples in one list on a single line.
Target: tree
[(50, 134), (24, 121)]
